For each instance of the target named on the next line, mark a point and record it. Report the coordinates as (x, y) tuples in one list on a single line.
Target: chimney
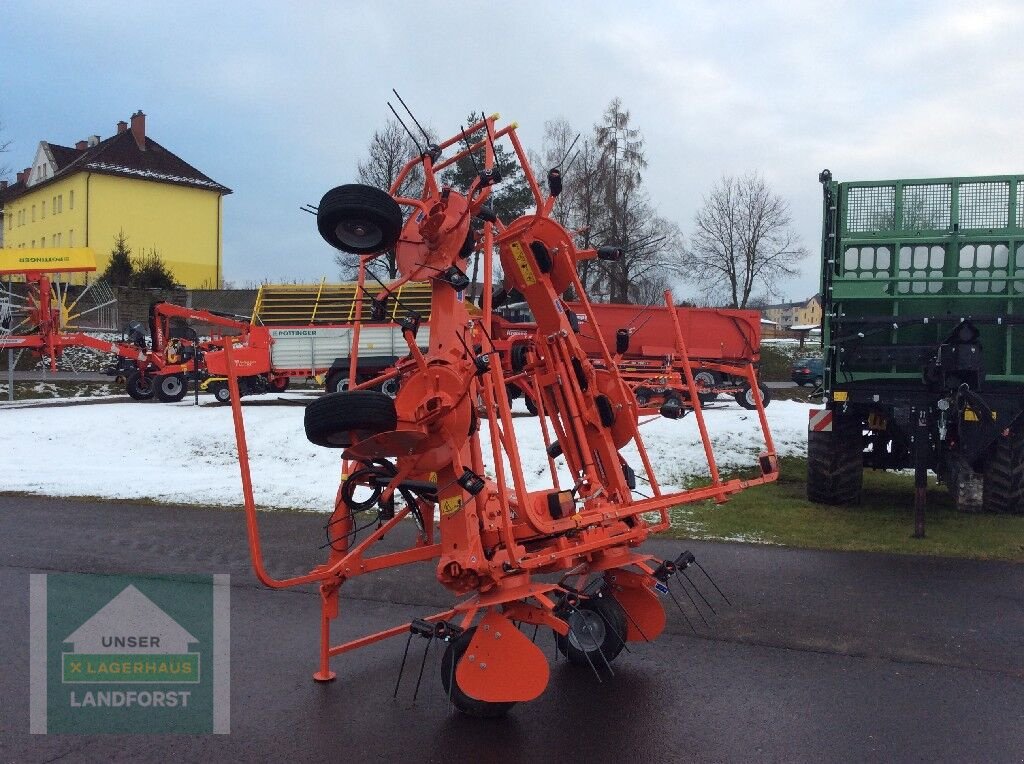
[(121, 126), (24, 175), (93, 140), (3, 185), (81, 145), (139, 129)]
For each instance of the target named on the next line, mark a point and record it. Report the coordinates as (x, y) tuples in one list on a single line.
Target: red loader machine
[(566, 557), (38, 313)]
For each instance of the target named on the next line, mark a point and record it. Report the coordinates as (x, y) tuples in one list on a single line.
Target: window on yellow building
[(57, 237), (33, 213), (71, 237), (44, 210), (71, 200), (60, 203), (42, 241)]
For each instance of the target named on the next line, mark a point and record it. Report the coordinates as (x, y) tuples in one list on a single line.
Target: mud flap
[(645, 615), (501, 664)]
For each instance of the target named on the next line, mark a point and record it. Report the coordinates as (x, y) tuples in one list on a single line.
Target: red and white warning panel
[(819, 420)]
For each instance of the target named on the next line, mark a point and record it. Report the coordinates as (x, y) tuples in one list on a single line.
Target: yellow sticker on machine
[(451, 505), (970, 415), (47, 260), (524, 264)]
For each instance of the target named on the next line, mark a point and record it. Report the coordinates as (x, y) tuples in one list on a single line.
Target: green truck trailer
[(923, 306)]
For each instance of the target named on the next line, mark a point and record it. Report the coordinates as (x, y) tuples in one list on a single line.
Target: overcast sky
[(278, 101)]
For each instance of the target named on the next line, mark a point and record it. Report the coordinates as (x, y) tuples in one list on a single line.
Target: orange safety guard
[(501, 664)]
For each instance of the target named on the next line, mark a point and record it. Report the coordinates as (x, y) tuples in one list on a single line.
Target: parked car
[(809, 371)]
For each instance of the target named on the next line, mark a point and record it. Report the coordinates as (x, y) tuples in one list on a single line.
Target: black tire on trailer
[(745, 397), (171, 388), (1004, 477), (531, 405), (337, 420), (708, 379), (138, 387), (221, 392), (835, 463), (280, 384), (597, 625), (390, 387), (336, 382), (359, 219), (470, 706)]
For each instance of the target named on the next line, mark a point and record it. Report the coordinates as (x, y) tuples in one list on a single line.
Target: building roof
[(120, 155)]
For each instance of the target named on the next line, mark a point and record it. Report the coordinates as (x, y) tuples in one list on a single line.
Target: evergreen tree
[(120, 271), (153, 273)]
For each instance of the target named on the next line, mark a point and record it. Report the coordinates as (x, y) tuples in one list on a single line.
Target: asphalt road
[(823, 657)]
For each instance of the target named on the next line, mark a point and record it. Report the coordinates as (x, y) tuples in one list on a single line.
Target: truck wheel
[(138, 387), (706, 379), (280, 384), (359, 219), (337, 420), (390, 387), (835, 464), (1004, 477), (171, 388), (745, 397)]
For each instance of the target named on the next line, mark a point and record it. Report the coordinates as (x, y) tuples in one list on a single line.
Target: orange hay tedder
[(496, 541)]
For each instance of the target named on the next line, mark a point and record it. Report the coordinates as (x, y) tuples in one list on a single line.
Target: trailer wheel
[(965, 486), (598, 625), (835, 463), (359, 219), (390, 387), (745, 397), (707, 379), (337, 383), (138, 387), (469, 706), (221, 392), (280, 384), (337, 420), (531, 405), (1004, 477), (171, 388)]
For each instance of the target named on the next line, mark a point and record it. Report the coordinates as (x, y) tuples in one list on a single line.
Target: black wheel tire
[(512, 392), (745, 397), (835, 463), (531, 405), (518, 357), (598, 624), (336, 383), (139, 388), (1004, 477), (280, 384), (390, 387), (337, 420), (359, 219), (470, 706), (220, 391), (171, 388), (643, 396)]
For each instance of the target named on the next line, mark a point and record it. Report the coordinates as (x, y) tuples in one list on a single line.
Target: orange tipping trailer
[(421, 454)]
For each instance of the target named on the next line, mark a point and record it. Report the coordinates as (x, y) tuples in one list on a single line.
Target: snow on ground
[(185, 454)]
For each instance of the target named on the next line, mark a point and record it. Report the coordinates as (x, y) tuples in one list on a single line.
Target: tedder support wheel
[(359, 219), (280, 384), (531, 405), (467, 705), (337, 420), (1004, 477), (171, 388), (835, 463), (597, 625), (745, 397), (138, 387)]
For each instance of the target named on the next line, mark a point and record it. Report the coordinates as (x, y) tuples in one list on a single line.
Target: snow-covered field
[(183, 454)]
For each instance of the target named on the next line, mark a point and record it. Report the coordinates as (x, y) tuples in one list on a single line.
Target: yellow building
[(86, 195), (787, 314)]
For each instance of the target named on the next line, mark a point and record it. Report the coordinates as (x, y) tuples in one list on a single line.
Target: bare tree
[(5, 168), (390, 148), (742, 239)]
